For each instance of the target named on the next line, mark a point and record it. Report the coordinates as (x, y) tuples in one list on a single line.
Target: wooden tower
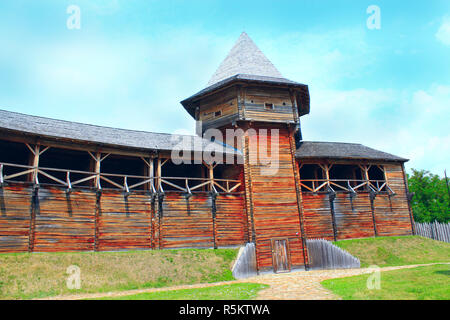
[(248, 95)]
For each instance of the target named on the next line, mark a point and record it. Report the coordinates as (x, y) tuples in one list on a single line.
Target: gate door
[(280, 255)]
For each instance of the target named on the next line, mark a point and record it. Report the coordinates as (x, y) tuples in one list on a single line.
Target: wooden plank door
[(280, 255)]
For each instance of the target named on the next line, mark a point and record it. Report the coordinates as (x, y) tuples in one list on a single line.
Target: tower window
[(268, 106)]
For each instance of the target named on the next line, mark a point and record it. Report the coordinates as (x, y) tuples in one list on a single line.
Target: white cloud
[(443, 34), (322, 58), (126, 82), (411, 125)]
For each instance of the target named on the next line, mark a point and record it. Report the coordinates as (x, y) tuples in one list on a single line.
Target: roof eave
[(401, 160), (304, 105)]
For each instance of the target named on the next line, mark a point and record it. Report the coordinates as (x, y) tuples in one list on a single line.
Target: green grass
[(421, 283), (38, 275), (395, 251), (237, 291)]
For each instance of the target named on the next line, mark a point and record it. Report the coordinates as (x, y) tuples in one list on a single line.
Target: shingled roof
[(245, 58), (73, 131), (339, 150), (246, 62)]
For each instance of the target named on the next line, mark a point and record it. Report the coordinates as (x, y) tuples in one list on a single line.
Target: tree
[(431, 200)]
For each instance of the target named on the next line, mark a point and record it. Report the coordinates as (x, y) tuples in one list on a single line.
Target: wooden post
[(97, 169), (34, 210), (249, 191), (97, 219), (152, 222), (411, 216), (211, 176), (326, 169), (213, 214), (365, 170), (372, 209), (35, 154), (331, 198), (296, 169), (294, 106), (36, 163), (158, 175), (151, 173)]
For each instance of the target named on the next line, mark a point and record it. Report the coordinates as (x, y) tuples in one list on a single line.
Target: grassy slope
[(421, 283), (394, 251), (237, 291), (36, 275)]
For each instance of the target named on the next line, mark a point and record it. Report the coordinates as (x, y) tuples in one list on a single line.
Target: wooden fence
[(50, 219), (434, 230), (325, 255), (245, 265)]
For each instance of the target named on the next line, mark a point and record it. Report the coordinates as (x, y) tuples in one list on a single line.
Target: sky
[(131, 62)]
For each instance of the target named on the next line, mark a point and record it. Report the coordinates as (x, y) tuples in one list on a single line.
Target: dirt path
[(303, 285), (299, 285)]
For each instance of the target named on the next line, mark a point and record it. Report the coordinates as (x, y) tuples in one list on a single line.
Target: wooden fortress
[(68, 186)]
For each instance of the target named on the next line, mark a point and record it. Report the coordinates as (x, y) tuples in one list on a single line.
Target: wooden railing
[(123, 182), (349, 185)]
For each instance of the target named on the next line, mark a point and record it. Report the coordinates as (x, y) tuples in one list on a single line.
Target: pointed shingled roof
[(245, 58), (246, 63)]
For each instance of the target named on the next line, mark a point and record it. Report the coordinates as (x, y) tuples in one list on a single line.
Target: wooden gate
[(280, 255)]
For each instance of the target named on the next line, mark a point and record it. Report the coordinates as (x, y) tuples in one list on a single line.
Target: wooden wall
[(273, 199), (317, 216), (354, 216), (64, 221), (124, 222), (84, 220), (231, 221), (392, 214), (49, 219), (15, 213), (254, 105), (187, 223)]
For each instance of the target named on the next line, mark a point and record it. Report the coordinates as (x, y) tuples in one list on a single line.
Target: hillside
[(38, 275), (395, 251)]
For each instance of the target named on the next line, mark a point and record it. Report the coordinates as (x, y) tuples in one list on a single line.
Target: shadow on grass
[(444, 272)]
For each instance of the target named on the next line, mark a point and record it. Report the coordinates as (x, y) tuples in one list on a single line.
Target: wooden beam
[(158, 175), (97, 169), (35, 163)]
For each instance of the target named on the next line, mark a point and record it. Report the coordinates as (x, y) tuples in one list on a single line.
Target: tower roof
[(244, 58), (245, 63)]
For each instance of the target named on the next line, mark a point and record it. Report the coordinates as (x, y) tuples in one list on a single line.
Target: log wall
[(15, 213), (124, 222), (256, 98), (273, 201), (64, 221), (357, 217), (392, 214), (52, 220), (353, 216), (317, 216)]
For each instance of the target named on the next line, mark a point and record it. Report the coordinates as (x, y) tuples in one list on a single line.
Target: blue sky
[(132, 61)]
